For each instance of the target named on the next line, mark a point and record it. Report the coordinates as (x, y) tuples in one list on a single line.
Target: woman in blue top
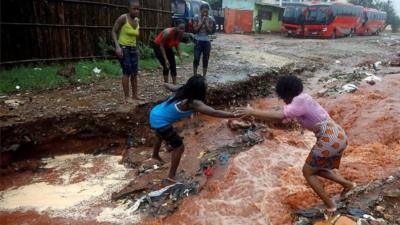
[(187, 99)]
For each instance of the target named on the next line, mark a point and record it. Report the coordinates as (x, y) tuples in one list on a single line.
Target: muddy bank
[(118, 123)]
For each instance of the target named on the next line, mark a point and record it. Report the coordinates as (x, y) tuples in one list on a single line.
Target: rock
[(372, 79), (392, 193), (322, 92), (379, 221), (390, 179), (380, 209)]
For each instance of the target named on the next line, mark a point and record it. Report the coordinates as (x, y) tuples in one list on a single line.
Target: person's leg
[(311, 178), (196, 58), (206, 56), (330, 175), (172, 64), (159, 56), (125, 87), (156, 148), (176, 155), (135, 72)]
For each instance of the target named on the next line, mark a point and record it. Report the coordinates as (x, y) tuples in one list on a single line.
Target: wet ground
[(262, 184)]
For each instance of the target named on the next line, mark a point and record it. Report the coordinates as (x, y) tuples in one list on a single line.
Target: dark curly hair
[(288, 87), (194, 89)]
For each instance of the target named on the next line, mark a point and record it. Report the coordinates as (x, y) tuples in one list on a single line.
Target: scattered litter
[(372, 79), (338, 62), (314, 213), (238, 124), (156, 167), (208, 171), (349, 88), (14, 102), (356, 212), (143, 141), (78, 88), (201, 154), (37, 69), (251, 138), (96, 70), (223, 158), (377, 66), (17, 87), (130, 141), (172, 192)]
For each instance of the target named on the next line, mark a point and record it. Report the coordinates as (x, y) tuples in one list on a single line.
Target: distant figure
[(124, 34), (331, 142), (163, 49), (258, 24), (203, 26), (186, 100)]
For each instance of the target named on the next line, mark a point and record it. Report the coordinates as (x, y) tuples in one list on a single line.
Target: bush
[(145, 51)]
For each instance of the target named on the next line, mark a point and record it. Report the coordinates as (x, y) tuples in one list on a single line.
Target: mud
[(248, 185)]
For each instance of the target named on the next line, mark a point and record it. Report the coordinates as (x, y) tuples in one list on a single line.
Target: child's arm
[(172, 87), (199, 106), (263, 114)]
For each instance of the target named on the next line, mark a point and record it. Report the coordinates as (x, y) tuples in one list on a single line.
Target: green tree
[(385, 5)]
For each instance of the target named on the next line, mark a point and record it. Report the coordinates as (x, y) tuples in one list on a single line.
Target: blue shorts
[(129, 61)]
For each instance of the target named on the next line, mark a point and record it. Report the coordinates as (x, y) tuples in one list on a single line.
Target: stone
[(362, 222)]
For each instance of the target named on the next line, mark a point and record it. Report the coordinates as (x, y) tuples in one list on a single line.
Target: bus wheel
[(334, 34)]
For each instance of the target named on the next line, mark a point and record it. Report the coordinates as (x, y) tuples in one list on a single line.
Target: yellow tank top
[(128, 35)]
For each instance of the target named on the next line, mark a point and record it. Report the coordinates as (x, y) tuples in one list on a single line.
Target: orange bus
[(373, 22), (293, 19), (331, 20)]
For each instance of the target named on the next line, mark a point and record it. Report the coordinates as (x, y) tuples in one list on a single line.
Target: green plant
[(106, 49), (145, 51)]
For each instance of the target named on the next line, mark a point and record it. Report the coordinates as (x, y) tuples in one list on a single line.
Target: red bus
[(332, 20), (373, 22), (293, 19)]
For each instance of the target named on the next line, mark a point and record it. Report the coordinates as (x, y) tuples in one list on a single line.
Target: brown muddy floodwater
[(260, 186)]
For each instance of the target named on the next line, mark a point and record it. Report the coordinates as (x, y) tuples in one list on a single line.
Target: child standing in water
[(331, 138), (188, 99)]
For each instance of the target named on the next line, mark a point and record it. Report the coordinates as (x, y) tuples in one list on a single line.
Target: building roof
[(269, 4)]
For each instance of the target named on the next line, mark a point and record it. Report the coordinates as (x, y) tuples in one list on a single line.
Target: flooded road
[(265, 184)]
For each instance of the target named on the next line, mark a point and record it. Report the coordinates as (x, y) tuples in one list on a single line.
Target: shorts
[(331, 142), (169, 134), (129, 61)]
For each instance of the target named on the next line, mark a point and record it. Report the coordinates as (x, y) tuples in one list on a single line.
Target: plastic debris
[(129, 141), (372, 79), (96, 70), (14, 102), (377, 66), (37, 69), (338, 62), (349, 88), (201, 154), (223, 158), (356, 212), (208, 171), (17, 87)]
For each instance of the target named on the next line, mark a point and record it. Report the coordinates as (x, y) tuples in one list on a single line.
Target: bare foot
[(330, 213), (347, 190), (169, 181), (129, 100), (158, 158), (137, 98)]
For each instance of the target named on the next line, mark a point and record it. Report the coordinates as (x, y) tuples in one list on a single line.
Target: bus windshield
[(318, 15), (294, 14)]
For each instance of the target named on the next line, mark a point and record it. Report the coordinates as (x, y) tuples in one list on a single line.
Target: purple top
[(306, 110)]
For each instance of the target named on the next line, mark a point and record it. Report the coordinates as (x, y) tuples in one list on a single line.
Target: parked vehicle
[(186, 10), (332, 20), (373, 23), (293, 19)]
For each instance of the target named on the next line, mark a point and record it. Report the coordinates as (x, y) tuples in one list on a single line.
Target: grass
[(45, 77)]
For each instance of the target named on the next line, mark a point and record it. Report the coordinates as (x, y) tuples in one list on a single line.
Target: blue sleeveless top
[(166, 114)]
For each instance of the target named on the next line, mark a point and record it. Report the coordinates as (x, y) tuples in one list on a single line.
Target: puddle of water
[(74, 187)]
